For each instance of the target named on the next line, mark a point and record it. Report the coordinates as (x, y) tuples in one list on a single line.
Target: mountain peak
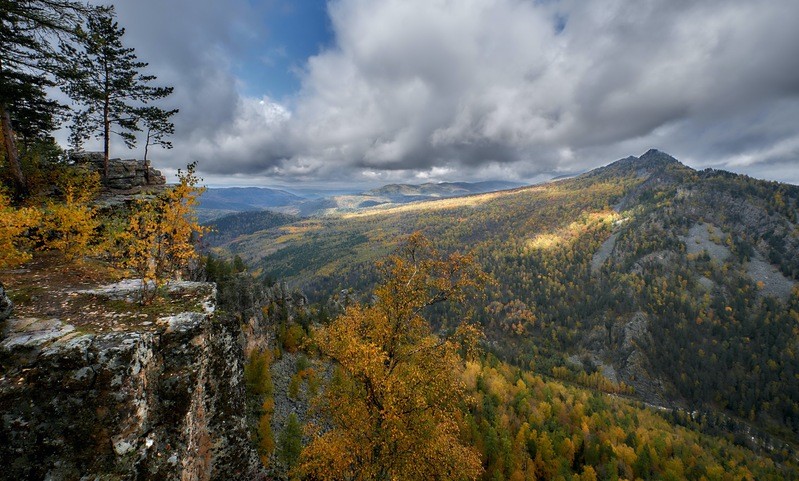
[(651, 162), (654, 155)]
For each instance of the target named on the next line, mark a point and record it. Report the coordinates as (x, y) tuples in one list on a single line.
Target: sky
[(359, 93)]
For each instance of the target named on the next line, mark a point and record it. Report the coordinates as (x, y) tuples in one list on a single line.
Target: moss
[(25, 294)]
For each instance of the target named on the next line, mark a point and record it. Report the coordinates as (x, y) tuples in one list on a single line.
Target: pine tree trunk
[(147, 162), (12, 154), (106, 121), (106, 135), (146, 146)]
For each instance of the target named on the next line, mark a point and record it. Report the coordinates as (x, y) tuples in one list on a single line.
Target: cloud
[(439, 89)]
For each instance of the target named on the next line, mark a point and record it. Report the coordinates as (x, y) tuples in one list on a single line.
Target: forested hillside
[(677, 285), (236, 225), (389, 393)]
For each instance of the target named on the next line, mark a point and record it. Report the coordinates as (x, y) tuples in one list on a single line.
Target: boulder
[(6, 305)]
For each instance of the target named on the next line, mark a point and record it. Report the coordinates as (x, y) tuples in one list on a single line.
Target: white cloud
[(438, 89)]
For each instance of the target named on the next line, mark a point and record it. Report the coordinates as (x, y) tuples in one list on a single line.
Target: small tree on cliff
[(106, 80), (395, 396), (158, 128), (159, 240)]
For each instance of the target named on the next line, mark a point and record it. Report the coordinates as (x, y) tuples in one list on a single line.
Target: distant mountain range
[(246, 198), (441, 189), (677, 282), (217, 202)]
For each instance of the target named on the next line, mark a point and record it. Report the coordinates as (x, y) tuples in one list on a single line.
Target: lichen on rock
[(162, 401), (6, 305)]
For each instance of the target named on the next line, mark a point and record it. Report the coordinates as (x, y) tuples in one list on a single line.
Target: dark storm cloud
[(437, 89), (191, 45)]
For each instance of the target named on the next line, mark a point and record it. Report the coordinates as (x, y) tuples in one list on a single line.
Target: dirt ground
[(50, 287)]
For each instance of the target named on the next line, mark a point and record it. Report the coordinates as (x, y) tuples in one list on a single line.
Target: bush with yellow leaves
[(15, 225), (70, 226)]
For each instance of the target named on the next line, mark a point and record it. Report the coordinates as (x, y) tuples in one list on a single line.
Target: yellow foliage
[(570, 233), (588, 474), (470, 375), (394, 397), (14, 225), (69, 226), (159, 241), (266, 440)]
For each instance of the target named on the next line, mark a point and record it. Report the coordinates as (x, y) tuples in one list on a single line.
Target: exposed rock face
[(166, 402), (122, 174), (6, 306)]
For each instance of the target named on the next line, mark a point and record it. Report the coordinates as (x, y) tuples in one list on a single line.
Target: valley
[(349, 240), (678, 285)]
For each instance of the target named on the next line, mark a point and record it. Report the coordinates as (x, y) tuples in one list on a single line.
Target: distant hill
[(393, 194), (233, 226), (218, 201), (245, 198), (441, 189), (677, 282)]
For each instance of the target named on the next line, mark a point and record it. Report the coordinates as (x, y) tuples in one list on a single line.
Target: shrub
[(70, 226), (14, 227)]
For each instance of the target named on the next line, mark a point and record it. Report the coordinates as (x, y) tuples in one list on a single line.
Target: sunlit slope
[(681, 284), (323, 246)]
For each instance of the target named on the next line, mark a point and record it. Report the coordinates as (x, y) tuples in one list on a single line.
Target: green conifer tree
[(108, 84), (30, 63)]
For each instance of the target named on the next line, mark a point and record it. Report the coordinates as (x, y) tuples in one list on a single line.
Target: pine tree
[(108, 83), (30, 63), (158, 127)]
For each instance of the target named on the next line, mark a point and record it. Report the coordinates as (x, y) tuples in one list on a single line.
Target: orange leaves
[(395, 395), (159, 240)]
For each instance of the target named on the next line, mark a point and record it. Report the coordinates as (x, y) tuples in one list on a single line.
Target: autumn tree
[(159, 240), (108, 84), (394, 399)]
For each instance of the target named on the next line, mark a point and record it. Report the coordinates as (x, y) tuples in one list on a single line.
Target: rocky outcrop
[(162, 401), (6, 306), (122, 174)]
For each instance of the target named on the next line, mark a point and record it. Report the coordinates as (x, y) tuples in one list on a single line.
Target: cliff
[(123, 175), (110, 390)]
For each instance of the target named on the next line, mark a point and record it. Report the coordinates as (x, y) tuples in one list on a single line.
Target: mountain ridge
[(637, 266)]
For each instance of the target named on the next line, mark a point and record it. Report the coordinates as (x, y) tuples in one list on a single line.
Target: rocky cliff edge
[(99, 387)]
